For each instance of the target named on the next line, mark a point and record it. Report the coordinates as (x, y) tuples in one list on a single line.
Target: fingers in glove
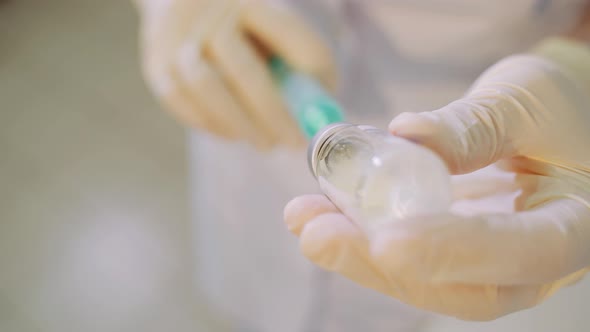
[(334, 243), (302, 209), (467, 135), (183, 80), (172, 92), (473, 302), (207, 89), (536, 246), (299, 45), (504, 114), (246, 74)]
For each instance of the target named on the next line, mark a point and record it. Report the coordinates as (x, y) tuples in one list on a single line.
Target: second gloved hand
[(518, 230), (206, 61)]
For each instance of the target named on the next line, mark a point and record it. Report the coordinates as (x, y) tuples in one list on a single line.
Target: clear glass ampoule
[(375, 178)]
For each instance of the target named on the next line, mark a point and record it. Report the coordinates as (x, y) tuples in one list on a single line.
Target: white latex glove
[(205, 60), (519, 229)]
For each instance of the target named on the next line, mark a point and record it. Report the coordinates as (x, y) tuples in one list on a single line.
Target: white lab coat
[(395, 56)]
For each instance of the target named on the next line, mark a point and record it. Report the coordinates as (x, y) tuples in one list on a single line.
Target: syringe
[(308, 102)]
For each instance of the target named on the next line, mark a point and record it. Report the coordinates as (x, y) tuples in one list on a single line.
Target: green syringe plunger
[(308, 102)]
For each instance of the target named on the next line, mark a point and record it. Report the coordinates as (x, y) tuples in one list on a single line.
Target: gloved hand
[(205, 60), (518, 230)]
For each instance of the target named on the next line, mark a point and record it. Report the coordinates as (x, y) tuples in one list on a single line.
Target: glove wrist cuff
[(571, 55)]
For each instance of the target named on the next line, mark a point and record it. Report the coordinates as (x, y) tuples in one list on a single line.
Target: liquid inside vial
[(376, 178)]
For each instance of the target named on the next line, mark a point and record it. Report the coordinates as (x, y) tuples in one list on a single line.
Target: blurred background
[(94, 231), (94, 224)]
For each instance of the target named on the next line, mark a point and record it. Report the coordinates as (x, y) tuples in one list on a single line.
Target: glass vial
[(375, 177)]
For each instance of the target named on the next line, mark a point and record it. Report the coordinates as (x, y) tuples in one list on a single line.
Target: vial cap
[(318, 143)]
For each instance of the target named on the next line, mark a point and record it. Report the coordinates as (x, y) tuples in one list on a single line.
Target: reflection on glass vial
[(374, 177)]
